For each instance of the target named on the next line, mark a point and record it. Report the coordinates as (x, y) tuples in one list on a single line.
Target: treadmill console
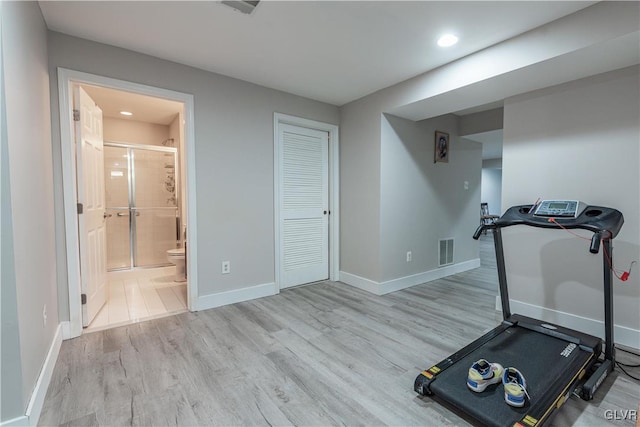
[(565, 214), (559, 208)]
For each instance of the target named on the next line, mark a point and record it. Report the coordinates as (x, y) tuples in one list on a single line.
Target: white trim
[(236, 295), (428, 276), (42, 384), (360, 282), (382, 288), (20, 421), (334, 190), (621, 334), (65, 80), (34, 408), (66, 330)]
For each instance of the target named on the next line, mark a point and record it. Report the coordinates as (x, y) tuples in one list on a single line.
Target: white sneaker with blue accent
[(515, 387), (482, 374)]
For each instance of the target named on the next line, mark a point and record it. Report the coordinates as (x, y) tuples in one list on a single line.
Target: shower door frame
[(131, 184)]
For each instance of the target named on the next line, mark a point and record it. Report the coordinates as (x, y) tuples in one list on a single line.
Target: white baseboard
[(382, 288), (42, 384), (360, 282), (621, 334), (21, 421), (237, 295)]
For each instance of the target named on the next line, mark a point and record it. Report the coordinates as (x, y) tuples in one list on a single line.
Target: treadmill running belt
[(542, 359)]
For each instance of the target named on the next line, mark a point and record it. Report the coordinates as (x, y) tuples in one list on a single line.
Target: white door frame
[(334, 191), (66, 79)]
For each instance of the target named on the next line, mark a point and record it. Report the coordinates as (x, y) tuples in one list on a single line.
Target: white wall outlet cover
[(466, 185), (226, 267)]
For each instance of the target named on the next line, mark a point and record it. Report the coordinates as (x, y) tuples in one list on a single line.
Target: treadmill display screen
[(560, 206)]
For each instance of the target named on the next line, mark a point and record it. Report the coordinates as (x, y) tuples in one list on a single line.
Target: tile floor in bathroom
[(141, 294)]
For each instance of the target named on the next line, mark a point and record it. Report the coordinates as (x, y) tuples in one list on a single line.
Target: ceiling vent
[(243, 6)]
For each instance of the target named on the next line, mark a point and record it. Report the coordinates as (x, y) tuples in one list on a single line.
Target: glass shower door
[(155, 206), (116, 162), (142, 205)]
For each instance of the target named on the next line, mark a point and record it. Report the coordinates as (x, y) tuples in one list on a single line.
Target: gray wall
[(578, 140), (483, 121), (233, 151), (423, 201), (380, 153), (11, 403), (28, 256), (360, 189)]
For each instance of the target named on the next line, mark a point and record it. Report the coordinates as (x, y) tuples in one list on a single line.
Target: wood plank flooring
[(324, 354)]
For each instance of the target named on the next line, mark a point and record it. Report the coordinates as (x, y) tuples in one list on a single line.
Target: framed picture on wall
[(441, 147)]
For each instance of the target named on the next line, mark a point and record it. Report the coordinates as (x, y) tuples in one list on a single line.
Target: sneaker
[(515, 387), (482, 374)]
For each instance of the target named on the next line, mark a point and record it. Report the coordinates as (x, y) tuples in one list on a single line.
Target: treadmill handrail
[(597, 219)]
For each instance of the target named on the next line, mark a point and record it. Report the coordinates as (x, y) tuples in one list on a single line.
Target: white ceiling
[(144, 108), (331, 51)]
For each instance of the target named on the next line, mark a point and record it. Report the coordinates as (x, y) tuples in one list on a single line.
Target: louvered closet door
[(304, 219)]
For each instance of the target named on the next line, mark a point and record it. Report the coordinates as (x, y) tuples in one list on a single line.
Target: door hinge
[(76, 115), (80, 208), (83, 298)]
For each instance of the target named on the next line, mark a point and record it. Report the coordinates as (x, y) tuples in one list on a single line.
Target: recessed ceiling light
[(447, 40), (126, 113)]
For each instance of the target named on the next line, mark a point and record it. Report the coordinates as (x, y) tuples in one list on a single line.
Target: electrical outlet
[(44, 316), (226, 267), (466, 185), (409, 256)]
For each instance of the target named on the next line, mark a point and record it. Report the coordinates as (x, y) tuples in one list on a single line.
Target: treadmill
[(555, 361)]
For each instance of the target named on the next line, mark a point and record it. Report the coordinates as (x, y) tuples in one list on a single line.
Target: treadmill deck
[(550, 365)]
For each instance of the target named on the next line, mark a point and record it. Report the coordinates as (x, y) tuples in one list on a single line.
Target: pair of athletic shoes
[(482, 374)]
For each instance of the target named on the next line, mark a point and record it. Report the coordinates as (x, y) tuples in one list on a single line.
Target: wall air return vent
[(445, 252), (243, 6)]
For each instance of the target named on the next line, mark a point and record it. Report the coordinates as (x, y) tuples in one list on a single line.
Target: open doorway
[(144, 209), (129, 166), (491, 183)]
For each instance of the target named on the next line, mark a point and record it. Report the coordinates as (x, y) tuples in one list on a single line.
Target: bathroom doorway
[(143, 199), (147, 148)]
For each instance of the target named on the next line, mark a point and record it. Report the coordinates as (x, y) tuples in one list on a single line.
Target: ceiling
[(331, 51), (144, 108)]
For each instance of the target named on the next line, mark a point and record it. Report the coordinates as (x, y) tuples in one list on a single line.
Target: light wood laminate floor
[(324, 354)]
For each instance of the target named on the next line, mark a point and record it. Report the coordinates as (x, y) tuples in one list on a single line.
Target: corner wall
[(11, 403), (360, 190), (29, 281), (423, 201), (579, 141)]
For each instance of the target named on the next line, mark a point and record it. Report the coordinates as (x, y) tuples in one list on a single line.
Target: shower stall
[(142, 202)]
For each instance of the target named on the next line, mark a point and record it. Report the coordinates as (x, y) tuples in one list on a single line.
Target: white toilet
[(176, 256)]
